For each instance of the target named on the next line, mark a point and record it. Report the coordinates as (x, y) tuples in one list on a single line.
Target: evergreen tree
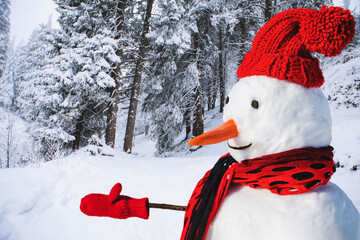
[(89, 65), (169, 79), (233, 23), (41, 47), (9, 80), (183, 75), (4, 32), (39, 91)]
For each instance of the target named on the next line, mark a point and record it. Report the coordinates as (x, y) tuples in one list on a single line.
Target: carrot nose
[(224, 132)]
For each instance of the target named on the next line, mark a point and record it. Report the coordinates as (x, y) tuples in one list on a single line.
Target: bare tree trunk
[(209, 95), (135, 91), (9, 143), (9, 140), (214, 88), (221, 71), (213, 98), (198, 125), (187, 118), (78, 131), (268, 9), (110, 132)]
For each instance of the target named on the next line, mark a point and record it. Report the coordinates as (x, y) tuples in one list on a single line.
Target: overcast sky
[(28, 14)]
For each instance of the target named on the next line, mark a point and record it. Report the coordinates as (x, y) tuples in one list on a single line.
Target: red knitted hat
[(282, 47)]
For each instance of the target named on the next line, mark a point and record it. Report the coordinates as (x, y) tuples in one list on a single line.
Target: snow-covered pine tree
[(116, 25), (200, 55), (223, 30), (9, 80), (4, 32), (182, 78), (33, 57), (89, 65), (39, 90), (169, 79), (233, 23), (42, 46)]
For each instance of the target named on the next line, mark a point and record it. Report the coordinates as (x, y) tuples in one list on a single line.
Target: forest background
[(116, 69)]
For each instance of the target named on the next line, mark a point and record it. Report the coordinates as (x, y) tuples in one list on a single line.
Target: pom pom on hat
[(328, 30), (282, 47)]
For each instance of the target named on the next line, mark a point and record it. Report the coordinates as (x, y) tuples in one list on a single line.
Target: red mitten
[(114, 205)]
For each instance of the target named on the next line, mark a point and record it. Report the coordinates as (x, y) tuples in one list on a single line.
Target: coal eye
[(255, 104), (227, 100)]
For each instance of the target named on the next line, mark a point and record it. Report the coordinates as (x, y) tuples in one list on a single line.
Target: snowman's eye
[(227, 100), (255, 104)]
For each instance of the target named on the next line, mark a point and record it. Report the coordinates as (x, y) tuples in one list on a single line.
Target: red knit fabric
[(282, 47), (114, 205), (286, 173), (291, 172)]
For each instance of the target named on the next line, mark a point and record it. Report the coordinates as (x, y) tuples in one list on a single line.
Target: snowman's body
[(325, 213), (286, 116)]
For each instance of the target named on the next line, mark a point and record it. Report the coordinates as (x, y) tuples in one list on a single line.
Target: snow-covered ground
[(42, 201)]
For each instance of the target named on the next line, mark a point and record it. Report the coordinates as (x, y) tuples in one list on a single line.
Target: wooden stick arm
[(167, 206)]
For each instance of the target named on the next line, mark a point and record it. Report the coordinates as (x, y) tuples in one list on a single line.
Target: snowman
[(278, 130), (274, 183)]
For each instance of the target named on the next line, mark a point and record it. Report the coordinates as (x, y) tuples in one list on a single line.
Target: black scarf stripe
[(205, 200)]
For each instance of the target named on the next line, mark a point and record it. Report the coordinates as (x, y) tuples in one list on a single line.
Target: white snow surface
[(42, 201)]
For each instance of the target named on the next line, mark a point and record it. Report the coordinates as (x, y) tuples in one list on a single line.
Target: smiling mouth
[(239, 148)]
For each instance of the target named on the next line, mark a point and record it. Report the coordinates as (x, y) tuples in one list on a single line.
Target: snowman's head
[(277, 104), (264, 115), (273, 116)]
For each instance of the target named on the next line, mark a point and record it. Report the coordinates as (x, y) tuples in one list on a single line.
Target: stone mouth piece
[(239, 148)]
